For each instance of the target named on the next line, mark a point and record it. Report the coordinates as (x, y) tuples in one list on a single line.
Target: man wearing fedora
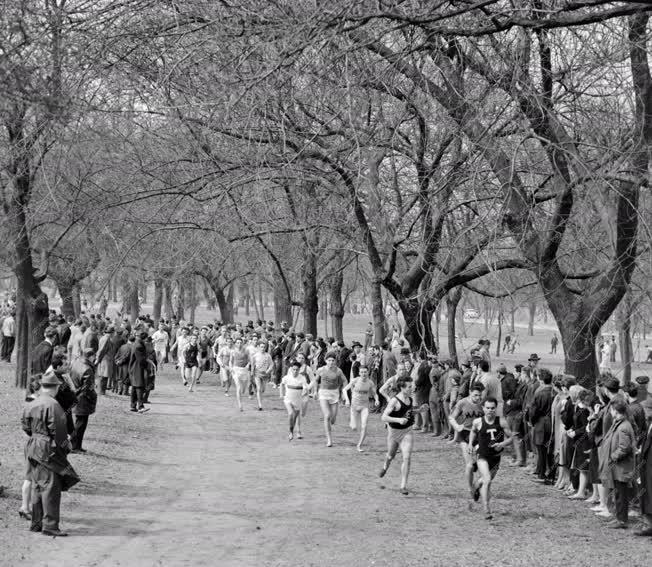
[(48, 469)]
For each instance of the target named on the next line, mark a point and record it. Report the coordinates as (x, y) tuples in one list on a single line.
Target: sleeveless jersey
[(404, 410), (489, 434)]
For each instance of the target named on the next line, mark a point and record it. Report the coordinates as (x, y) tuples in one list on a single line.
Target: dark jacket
[(540, 413), (617, 453), (138, 364), (646, 474), (42, 357), (82, 374)]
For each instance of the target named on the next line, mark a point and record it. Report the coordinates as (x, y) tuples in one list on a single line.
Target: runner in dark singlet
[(190, 354), (492, 435), (399, 416), (204, 346)]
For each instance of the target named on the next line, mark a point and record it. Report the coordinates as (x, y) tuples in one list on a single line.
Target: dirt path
[(194, 482)]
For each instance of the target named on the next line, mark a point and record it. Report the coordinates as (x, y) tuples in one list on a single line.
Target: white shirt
[(9, 327)]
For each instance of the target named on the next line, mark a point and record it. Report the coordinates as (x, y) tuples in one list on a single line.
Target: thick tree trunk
[(143, 288), (377, 312), (418, 324), (336, 306), (452, 301), (67, 306), (282, 303), (487, 315), (158, 300), (261, 303), (76, 300), (625, 311), (168, 308), (310, 294), (114, 297), (133, 302), (179, 307), (225, 303), (532, 310), (193, 300)]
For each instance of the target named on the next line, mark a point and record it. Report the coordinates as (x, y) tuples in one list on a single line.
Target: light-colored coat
[(616, 453), (105, 357)]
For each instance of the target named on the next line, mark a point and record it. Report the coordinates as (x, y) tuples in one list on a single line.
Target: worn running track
[(195, 482)]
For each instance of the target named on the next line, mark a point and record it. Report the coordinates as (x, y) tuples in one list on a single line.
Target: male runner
[(492, 435)]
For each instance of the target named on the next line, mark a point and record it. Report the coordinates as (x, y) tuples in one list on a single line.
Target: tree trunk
[(282, 303), (180, 302), (500, 327), (143, 287), (66, 294), (310, 294), (512, 320), (485, 302), (625, 336), (336, 306), (76, 300), (418, 324), (532, 310), (225, 303), (437, 320), (452, 301), (193, 299), (168, 308), (133, 302), (261, 303), (158, 300), (377, 312)]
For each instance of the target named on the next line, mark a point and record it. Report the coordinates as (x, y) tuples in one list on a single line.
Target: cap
[(533, 357), (642, 380), (355, 344), (502, 369), (50, 379)]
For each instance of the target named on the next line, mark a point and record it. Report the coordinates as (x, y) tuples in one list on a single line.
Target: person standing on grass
[(645, 467), (368, 336), (330, 383), (362, 389), (492, 435), (104, 360), (42, 354), (540, 414), (295, 387), (399, 417), (82, 374), (553, 344), (46, 450), (8, 337), (137, 369)]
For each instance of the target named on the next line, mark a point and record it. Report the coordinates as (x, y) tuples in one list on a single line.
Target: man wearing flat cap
[(82, 374), (46, 450)]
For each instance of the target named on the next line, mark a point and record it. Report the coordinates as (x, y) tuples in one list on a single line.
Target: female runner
[(399, 417), (363, 389), (295, 385), (330, 382)]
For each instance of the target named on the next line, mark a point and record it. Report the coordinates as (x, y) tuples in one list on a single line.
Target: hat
[(355, 344), (642, 380), (518, 367), (533, 357), (647, 407), (50, 379), (502, 369), (612, 384)]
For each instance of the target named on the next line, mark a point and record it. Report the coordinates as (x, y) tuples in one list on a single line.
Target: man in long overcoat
[(105, 359), (42, 355), (82, 374), (645, 468), (540, 414), (138, 374), (46, 451)]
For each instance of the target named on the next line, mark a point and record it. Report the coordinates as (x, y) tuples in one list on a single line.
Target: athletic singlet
[(204, 344), (468, 411), (330, 379), (224, 354), (303, 371), (191, 355), (240, 358), (361, 391), (404, 411), (487, 436)]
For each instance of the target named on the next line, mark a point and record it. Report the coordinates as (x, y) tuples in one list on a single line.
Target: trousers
[(46, 497), (136, 397), (77, 437), (7, 348), (621, 494), (544, 462)]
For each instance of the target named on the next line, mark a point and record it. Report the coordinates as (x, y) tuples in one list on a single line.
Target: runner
[(492, 435), (190, 357), (362, 388), (306, 371), (160, 340), (223, 356), (461, 420), (182, 343), (261, 370), (330, 383), (295, 386), (239, 365), (399, 417), (204, 345)]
